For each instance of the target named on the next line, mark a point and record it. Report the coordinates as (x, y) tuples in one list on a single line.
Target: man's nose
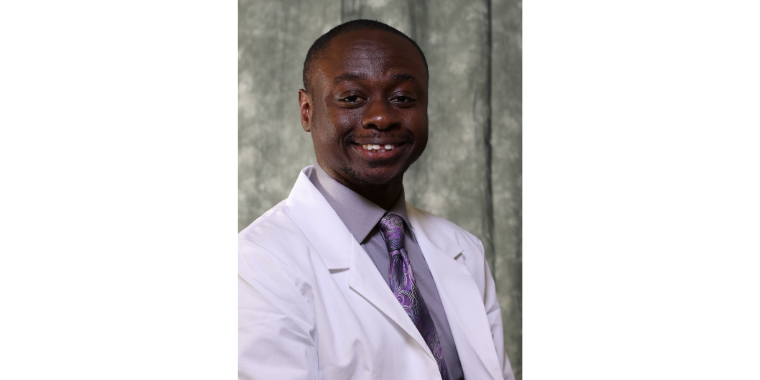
[(379, 115)]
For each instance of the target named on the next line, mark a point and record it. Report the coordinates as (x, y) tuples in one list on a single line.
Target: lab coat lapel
[(339, 250), (460, 297), (364, 278), (319, 222)]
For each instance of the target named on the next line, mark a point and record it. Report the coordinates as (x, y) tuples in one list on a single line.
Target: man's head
[(366, 85)]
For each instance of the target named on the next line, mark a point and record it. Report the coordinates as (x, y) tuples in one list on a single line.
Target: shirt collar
[(359, 214)]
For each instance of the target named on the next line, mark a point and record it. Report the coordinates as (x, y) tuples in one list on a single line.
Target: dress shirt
[(361, 217)]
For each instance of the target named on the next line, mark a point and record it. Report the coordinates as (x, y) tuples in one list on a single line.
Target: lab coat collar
[(319, 222)]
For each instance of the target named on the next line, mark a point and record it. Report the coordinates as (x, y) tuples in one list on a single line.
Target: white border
[(118, 212), (641, 190)]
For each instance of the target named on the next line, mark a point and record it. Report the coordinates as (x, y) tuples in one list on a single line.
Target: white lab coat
[(312, 305)]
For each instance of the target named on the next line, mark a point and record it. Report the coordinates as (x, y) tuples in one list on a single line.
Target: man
[(343, 279)]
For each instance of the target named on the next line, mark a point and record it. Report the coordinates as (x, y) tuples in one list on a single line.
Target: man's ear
[(304, 103)]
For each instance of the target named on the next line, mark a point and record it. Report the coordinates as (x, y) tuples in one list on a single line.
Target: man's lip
[(381, 154), (379, 142)]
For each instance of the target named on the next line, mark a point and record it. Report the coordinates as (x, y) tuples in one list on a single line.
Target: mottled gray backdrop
[(470, 172)]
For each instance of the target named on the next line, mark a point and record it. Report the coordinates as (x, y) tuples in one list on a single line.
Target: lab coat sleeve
[(276, 334), (493, 312)]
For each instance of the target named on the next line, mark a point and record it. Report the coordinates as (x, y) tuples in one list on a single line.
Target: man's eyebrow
[(348, 77), (405, 77)]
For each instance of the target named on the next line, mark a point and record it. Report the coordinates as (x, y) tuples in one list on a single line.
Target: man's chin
[(374, 177)]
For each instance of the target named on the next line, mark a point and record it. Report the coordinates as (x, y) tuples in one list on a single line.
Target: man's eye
[(350, 99), (402, 99)]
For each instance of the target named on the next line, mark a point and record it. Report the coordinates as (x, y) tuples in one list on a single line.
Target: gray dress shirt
[(361, 217)]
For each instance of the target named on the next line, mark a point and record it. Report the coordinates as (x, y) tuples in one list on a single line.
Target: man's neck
[(383, 195)]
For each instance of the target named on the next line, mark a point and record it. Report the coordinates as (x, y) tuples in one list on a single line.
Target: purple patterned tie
[(405, 289)]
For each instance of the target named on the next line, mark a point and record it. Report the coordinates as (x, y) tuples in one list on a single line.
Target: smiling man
[(343, 279)]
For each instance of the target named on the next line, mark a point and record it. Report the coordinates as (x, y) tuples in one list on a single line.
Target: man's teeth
[(378, 147)]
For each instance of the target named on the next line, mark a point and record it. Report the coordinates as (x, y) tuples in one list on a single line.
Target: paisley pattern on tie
[(405, 289)]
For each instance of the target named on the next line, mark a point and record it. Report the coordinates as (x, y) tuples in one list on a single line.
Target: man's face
[(368, 91)]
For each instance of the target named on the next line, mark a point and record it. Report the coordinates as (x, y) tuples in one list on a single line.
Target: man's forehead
[(367, 40), (350, 56)]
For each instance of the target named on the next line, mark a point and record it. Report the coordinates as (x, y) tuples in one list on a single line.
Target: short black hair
[(319, 46)]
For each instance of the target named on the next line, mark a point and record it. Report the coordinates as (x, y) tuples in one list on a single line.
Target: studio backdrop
[(470, 172)]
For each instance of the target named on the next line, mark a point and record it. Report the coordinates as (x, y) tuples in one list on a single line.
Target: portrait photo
[(471, 170)]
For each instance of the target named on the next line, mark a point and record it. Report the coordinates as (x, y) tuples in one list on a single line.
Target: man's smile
[(378, 147), (379, 151)]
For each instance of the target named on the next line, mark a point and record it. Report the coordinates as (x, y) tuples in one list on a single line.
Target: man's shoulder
[(463, 237), (271, 229), (268, 220)]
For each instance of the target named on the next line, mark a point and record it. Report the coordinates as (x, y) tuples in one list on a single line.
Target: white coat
[(312, 305)]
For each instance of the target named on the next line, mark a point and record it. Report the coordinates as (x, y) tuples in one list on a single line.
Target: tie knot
[(392, 229)]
